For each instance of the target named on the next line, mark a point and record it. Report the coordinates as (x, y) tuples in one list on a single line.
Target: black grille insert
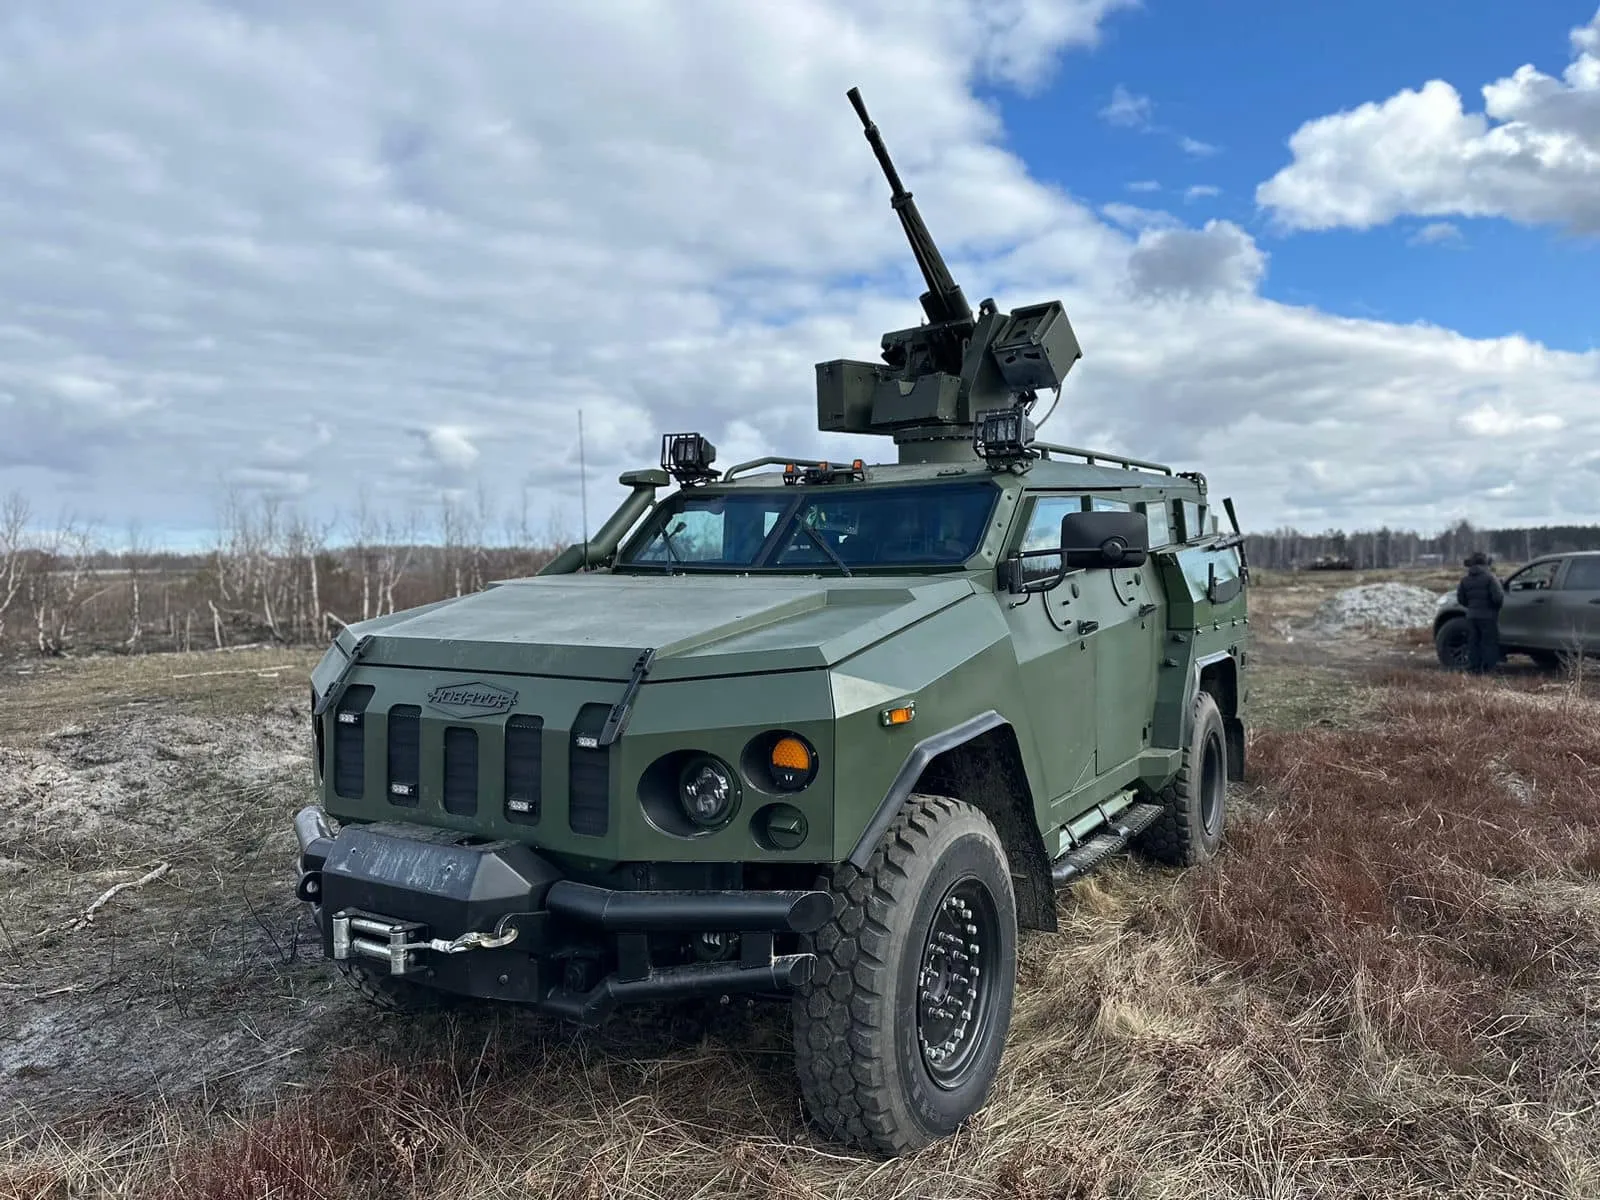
[(589, 771), (461, 771), (350, 741), (524, 763), (405, 753)]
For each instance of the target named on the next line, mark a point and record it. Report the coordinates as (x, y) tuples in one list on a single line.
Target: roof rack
[(771, 460), (1093, 457)]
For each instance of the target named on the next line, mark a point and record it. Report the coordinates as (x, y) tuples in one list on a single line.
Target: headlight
[(707, 791)]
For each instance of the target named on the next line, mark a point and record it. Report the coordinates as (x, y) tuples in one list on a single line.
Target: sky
[(378, 255)]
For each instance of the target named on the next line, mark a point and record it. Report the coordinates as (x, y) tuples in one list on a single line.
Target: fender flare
[(910, 771)]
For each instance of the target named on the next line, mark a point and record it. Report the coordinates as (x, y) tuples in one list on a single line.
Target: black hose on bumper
[(662, 912)]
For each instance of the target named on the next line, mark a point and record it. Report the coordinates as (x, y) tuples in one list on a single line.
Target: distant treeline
[(1287, 549), (272, 576)]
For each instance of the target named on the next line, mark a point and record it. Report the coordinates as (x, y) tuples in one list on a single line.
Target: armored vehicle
[(829, 733), (1551, 613)]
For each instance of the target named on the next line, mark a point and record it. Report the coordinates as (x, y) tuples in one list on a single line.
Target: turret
[(937, 380)]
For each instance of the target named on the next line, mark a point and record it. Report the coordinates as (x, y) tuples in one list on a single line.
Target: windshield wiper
[(822, 544), (673, 559)]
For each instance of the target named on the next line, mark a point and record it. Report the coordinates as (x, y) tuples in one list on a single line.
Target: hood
[(595, 626)]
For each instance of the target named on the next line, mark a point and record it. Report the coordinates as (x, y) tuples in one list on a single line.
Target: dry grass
[(1386, 987)]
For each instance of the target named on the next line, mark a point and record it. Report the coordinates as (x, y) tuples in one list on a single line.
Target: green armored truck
[(829, 733)]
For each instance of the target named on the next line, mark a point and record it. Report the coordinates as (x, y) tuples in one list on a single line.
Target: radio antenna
[(583, 490)]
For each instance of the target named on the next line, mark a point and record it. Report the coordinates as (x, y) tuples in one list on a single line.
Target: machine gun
[(939, 378)]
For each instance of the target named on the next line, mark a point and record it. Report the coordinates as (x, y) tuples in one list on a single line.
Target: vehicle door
[(1526, 620), (1120, 605), (1574, 606), (1056, 666)]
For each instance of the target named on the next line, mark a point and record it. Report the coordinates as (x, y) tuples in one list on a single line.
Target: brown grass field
[(1387, 985)]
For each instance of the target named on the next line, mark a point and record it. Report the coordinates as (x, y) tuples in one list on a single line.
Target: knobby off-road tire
[(384, 991), (890, 974), (1452, 643), (1195, 803)]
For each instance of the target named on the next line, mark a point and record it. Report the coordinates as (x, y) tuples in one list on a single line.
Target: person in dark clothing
[(1481, 595)]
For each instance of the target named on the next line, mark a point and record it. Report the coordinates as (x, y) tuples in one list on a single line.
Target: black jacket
[(1480, 592)]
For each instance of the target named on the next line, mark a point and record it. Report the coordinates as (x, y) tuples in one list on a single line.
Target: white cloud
[(316, 251), (448, 446), (1201, 191), (1196, 147), (1127, 109), (1532, 155), (1489, 421), (1196, 262), (1435, 233), (1144, 185)]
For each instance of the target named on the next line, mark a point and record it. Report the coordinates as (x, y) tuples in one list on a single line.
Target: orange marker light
[(790, 754), (899, 716)]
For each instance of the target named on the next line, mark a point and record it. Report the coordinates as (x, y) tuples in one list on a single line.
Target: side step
[(1114, 835)]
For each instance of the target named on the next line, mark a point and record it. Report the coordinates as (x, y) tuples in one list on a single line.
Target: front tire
[(391, 994), (1452, 643), (898, 1035)]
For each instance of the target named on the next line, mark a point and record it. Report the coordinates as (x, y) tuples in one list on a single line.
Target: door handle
[(1088, 626), (1146, 609)]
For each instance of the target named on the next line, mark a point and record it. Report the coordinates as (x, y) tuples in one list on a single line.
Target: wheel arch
[(978, 761)]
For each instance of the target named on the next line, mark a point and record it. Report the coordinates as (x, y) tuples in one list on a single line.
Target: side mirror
[(1104, 539)]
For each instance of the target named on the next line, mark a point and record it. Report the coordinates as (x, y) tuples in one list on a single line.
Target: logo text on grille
[(471, 699)]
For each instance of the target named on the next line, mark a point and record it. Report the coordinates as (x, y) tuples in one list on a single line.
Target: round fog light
[(706, 792)]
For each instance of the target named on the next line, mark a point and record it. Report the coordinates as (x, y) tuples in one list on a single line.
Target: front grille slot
[(350, 741), (461, 771), (589, 771), (405, 753), (524, 763)]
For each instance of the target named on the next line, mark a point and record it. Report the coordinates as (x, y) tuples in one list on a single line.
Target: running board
[(1113, 836)]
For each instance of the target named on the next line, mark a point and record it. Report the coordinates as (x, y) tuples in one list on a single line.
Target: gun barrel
[(944, 301), (875, 140)]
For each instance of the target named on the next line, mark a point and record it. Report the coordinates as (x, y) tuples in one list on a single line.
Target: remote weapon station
[(824, 733)]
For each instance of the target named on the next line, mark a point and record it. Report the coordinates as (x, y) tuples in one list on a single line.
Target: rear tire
[(897, 1037), (1195, 803), (1452, 642)]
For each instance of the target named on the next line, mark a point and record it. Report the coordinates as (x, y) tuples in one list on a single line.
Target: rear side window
[(1583, 575)]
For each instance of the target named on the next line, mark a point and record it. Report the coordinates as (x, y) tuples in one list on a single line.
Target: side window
[(1160, 522), (1188, 520), (1044, 533), (1106, 504), (1583, 575), (1536, 578)]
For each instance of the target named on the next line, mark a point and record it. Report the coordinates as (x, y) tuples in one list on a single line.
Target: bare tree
[(13, 550)]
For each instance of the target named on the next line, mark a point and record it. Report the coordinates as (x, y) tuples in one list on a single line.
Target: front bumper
[(496, 920)]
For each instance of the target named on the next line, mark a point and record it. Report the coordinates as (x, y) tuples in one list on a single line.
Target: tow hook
[(401, 939)]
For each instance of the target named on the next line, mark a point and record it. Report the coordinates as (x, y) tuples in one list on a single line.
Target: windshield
[(816, 529)]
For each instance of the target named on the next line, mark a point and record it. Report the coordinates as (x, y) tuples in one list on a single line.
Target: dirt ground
[(155, 970)]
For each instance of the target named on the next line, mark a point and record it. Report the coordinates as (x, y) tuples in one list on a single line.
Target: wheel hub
[(953, 988)]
